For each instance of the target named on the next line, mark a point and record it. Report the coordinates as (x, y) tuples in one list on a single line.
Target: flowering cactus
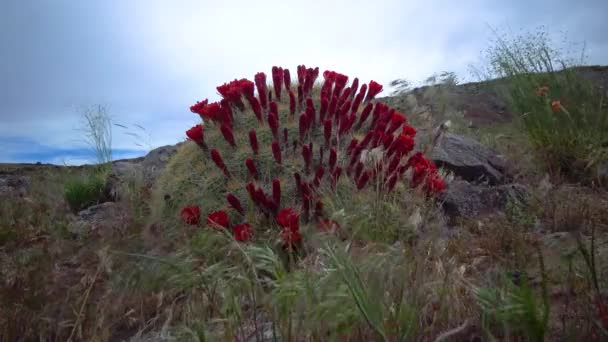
[(277, 167)]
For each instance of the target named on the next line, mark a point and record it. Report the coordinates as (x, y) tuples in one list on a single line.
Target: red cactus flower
[(307, 156), (323, 110), (292, 103), (402, 145), (300, 94), (242, 232), (409, 130), (276, 151), (286, 136), (365, 114), (289, 218), (397, 120), (218, 219), (303, 126), (235, 203), (362, 182), (212, 112), (198, 107), (345, 94), (327, 124), (276, 191), (556, 106), (357, 102), (231, 92), (393, 165), (434, 184), (358, 170), (191, 215), (332, 107), (341, 81), (287, 79), (298, 180), (273, 122), (333, 157), (227, 133), (300, 71), (196, 134), (318, 176), (247, 88), (260, 84), (354, 87), (277, 80), (253, 142), (373, 90), (387, 140), (253, 170), (390, 184), (219, 162), (255, 107), (352, 145)]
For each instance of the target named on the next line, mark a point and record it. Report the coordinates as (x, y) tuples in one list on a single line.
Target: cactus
[(255, 175)]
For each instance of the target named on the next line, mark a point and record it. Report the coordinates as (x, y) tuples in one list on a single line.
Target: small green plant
[(81, 193)]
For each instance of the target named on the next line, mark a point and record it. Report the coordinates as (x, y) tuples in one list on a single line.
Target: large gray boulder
[(469, 160)]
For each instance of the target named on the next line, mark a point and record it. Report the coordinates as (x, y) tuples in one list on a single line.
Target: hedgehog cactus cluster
[(280, 149)]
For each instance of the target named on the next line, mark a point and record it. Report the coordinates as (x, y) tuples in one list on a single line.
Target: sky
[(147, 61)]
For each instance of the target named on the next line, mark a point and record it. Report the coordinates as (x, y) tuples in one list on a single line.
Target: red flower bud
[(409, 130), (292, 103), (310, 110), (276, 191), (218, 219), (260, 84), (227, 133), (276, 151), (397, 120), (333, 157), (273, 122), (303, 126), (318, 176), (323, 110), (242, 232), (374, 89), (363, 180), (287, 79), (255, 107), (253, 142), (191, 215), (196, 134), (253, 171), (235, 203), (365, 114), (354, 87), (300, 94), (219, 162), (327, 130), (307, 156), (286, 137), (198, 107), (332, 107), (300, 71), (352, 145), (277, 80), (358, 170)]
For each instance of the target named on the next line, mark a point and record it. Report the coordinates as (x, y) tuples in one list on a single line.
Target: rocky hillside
[(104, 272)]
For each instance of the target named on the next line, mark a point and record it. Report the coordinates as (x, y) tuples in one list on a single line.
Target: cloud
[(148, 60)]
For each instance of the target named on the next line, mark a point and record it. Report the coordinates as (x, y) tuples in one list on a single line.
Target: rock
[(106, 219), (469, 160), (14, 185), (464, 199)]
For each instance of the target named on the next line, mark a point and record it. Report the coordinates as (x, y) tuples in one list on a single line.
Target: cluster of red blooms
[(218, 220), (335, 117)]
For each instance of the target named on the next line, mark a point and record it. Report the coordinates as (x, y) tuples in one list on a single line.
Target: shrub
[(257, 156), (564, 115), (81, 193)]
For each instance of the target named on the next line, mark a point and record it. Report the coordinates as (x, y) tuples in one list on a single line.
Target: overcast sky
[(148, 60)]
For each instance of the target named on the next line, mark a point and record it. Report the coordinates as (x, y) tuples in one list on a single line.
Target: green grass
[(571, 140), (82, 192)]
